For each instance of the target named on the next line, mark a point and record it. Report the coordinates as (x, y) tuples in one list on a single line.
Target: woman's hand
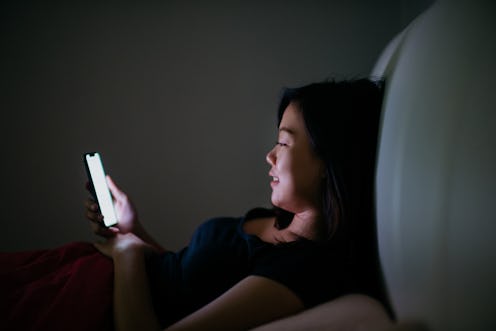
[(123, 243), (126, 213), (125, 210), (127, 217)]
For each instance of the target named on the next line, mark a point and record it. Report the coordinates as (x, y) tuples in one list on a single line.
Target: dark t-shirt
[(221, 254)]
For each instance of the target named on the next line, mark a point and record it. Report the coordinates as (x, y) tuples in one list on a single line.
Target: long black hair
[(342, 122), (342, 119)]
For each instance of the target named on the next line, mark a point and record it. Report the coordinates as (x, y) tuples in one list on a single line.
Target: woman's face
[(297, 172)]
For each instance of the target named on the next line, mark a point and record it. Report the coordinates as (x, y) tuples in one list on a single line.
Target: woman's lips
[(274, 181)]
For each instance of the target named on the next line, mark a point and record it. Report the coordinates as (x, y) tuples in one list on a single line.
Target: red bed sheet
[(66, 288)]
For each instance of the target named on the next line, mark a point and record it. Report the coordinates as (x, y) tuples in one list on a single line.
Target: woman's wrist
[(129, 245), (128, 257), (129, 253)]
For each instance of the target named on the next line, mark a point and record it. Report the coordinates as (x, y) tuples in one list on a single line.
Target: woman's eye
[(281, 144)]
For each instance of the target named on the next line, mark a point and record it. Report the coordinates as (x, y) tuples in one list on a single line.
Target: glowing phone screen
[(103, 196)]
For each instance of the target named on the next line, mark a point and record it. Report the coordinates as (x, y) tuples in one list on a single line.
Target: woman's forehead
[(292, 120)]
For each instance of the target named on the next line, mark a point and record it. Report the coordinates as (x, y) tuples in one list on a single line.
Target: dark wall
[(179, 98)]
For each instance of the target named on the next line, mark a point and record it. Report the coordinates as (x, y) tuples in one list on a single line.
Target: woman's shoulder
[(217, 225)]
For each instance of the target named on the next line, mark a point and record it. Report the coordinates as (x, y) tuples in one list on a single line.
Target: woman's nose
[(271, 157)]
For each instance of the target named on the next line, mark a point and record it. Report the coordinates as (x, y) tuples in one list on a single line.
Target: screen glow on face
[(101, 189)]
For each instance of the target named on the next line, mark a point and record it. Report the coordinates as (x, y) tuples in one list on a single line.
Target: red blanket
[(67, 288)]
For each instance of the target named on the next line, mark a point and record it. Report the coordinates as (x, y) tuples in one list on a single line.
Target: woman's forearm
[(133, 309)]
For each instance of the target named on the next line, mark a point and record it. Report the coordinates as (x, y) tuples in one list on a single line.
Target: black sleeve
[(312, 272)]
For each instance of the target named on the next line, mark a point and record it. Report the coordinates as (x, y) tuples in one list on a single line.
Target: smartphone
[(99, 188)]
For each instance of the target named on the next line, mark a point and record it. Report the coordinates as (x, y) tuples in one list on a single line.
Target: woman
[(315, 245), (242, 272)]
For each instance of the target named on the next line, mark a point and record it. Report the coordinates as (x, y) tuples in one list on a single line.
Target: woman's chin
[(275, 202), (278, 203)]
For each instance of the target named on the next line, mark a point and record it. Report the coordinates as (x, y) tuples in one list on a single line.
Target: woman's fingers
[(93, 214), (96, 219), (91, 204), (99, 229), (116, 191)]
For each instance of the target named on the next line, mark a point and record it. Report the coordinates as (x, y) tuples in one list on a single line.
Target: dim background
[(179, 97)]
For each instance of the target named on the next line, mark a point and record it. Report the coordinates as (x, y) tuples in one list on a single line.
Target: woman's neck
[(308, 224)]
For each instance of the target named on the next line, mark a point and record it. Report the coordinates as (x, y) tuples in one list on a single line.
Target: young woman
[(239, 273), (316, 244)]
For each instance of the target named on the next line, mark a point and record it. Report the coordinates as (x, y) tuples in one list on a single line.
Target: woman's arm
[(252, 302), (349, 312), (133, 309)]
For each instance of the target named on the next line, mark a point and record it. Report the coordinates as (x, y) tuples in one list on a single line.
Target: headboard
[(436, 172)]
